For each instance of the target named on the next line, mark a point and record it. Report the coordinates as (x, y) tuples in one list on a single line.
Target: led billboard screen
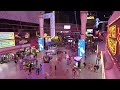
[(7, 43), (81, 48), (41, 44), (7, 35)]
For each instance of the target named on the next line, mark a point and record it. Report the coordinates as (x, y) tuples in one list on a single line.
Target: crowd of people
[(61, 55)]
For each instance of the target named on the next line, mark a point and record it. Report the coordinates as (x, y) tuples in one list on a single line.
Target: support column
[(41, 30), (83, 16), (52, 25), (41, 23)]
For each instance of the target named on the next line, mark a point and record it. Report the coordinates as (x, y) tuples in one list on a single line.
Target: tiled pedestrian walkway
[(10, 71)]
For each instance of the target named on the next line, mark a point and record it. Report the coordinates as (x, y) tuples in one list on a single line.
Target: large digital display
[(7, 43), (41, 44), (81, 48), (7, 35)]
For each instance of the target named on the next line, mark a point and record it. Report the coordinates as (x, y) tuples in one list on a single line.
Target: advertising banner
[(7, 43), (7, 35), (81, 48), (41, 44)]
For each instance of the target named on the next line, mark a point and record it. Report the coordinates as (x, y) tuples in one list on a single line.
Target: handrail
[(103, 67)]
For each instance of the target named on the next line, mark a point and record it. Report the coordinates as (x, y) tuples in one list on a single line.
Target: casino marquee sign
[(113, 39)]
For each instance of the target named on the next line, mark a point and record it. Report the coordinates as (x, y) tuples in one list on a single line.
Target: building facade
[(22, 24), (113, 38)]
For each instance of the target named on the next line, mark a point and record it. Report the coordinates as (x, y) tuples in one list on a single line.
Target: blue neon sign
[(41, 44), (81, 48)]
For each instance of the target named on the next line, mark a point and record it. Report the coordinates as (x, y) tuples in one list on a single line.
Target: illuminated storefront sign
[(111, 39), (112, 31), (112, 45), (6, 35), (67, 26), (81, 48), (7, 43), (90, 17), (41, 44)]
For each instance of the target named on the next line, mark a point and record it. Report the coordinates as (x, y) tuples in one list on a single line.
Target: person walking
[(36, 63), (46, 75), (95, 68), (98, 60), (40, 67), (50, 68), (30, 68), (89, 66), (74, 73), (38, 71), (84, 64), (58, 59), (55, 69), (15, 62), (21, 63)]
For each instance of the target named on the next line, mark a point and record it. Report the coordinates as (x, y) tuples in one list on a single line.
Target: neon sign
[(112, 31), (112, 45)]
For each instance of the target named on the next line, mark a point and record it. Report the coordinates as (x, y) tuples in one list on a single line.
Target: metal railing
[(103, 67)]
